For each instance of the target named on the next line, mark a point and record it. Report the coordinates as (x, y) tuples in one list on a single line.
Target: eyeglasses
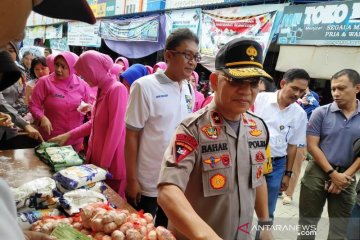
[(254, 81), (189, 56)]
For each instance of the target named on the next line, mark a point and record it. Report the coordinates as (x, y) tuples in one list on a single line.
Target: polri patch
[(211, 132), (218, 181), (184, 145), (252, 124), (259, 171)]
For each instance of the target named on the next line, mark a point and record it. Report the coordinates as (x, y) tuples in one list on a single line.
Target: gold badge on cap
[(251, 52)]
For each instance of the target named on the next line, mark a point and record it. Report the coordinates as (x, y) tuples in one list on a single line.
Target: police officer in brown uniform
[(212, 173)]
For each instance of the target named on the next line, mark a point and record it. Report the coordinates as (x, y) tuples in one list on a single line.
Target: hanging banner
[(188, 18), (189, 3), (59, 44), (35, 32), (83, 34), (54, 31), (220, 30), (332, 23), (35, 19), (135, 29)]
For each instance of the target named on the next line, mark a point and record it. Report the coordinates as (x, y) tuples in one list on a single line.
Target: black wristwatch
[(288, 173)]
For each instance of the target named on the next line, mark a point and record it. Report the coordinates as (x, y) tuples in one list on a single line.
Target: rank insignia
[(213, 160), (255, 132), (218, 181), (251, 52), (225, 159), (259, 157), (211, 131), (259, 172), (215, 116), (184, 145)]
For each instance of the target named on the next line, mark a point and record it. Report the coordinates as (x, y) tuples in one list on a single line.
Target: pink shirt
[(58, 100), (107, 126), (199, 99)]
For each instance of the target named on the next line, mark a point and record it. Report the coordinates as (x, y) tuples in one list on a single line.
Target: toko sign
[(332, 23)]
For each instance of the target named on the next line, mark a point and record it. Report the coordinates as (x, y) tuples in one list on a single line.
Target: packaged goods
[(78, 176)]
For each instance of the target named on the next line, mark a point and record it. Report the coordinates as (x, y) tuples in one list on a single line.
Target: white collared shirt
[(287, 126)]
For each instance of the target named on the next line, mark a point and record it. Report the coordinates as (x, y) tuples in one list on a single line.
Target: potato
[(96, 225), (120, 218), (77, 225), (126, 226), (98, 235), (118, 235), (150, 226)]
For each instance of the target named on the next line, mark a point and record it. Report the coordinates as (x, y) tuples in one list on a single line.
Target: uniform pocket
[(216, 173)]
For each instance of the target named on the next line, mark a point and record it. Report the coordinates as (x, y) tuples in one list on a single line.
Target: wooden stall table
[(20, 166)]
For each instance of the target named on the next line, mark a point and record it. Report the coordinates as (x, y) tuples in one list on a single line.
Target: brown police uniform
[(217, 170)]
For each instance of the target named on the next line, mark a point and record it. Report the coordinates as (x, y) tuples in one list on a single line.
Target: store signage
[(331, 23), (83, 34)]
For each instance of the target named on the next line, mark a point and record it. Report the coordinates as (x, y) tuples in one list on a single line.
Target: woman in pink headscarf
[(123, 62), (159, 65), (56, 97), (107, 126), (199, 97)]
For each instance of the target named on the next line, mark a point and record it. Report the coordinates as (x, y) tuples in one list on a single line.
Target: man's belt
[(277, 158)]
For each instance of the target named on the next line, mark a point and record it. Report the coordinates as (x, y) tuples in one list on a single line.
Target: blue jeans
[(354, 223), (273, 181)]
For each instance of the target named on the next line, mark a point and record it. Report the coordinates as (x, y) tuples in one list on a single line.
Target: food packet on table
[(78, 176), (96, 187), (27, 218)]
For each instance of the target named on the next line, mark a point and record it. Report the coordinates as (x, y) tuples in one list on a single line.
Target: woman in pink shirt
[(199, 97), (107, 126), (56, 97)]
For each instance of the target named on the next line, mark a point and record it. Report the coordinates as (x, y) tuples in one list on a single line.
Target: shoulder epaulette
[(193, 117)]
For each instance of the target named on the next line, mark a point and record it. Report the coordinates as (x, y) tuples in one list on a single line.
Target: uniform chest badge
[(259, 172), (184, 145), (212, 161), (259, 157), (218, 181), (211, 131), (252, 124), (255, 132), (225, 159)]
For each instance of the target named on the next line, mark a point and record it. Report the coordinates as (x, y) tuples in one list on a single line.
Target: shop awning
[(319, 61)]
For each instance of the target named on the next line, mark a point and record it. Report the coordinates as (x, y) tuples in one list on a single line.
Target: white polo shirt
[(287, 126), (156, 107)]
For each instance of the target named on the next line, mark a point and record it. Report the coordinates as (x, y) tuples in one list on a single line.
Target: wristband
[(288, 173), (330, 172), (267, 223)]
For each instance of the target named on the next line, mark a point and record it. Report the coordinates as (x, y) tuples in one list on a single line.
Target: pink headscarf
[(70, 59), (97, 68), (50, 62), (161, 65), (124, 60), (149, 69), (196, 76)]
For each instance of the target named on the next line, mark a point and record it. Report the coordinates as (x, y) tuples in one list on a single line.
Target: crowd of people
[(197, 164)]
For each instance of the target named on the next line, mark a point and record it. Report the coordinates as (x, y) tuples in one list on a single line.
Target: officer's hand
[(61, 139), (46, 125), (266, 234), (5, 120), (133, 192), (285, 183)]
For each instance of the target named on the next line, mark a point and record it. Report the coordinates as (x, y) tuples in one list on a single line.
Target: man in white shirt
[(157, 104), (286, 121)]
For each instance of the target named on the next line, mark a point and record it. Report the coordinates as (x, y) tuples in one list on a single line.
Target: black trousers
[(18, 142)]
